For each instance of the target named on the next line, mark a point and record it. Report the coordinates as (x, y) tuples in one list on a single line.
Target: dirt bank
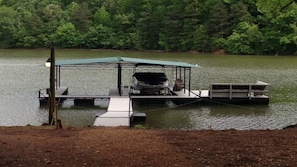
[(95, 146)]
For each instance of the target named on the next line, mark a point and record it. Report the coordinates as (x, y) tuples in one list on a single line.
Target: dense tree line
[(235, 26)]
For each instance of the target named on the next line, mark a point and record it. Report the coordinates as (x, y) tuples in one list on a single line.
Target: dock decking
[(119, 113)]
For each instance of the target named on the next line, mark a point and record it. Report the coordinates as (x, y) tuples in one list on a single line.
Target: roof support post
[(180, 76), (190, 80), (184, 79), (57, 79), (59, 76), (120, 79), (175, 73)]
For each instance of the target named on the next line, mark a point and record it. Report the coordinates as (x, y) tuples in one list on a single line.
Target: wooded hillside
[(236, 26)]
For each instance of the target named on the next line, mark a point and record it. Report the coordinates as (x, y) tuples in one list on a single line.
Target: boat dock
[(151, 87)]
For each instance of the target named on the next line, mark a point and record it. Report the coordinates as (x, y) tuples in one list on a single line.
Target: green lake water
[(22, 76)]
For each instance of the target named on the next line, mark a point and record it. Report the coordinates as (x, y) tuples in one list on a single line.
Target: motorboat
[(150, 83)]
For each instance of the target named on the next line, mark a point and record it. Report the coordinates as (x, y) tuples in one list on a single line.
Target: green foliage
[(244, 40), (66, 36), (219, 24), (273, 8), (139, 126), (98, 37), (102, 16), (149, 24), (201, 39), (238, 27), (7, 26), (80, 17)]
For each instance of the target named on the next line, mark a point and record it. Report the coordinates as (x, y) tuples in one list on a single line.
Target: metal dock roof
[(123, 60)]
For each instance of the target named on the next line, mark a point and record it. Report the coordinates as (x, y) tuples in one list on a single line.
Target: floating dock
[(43, 96), (237, 93)]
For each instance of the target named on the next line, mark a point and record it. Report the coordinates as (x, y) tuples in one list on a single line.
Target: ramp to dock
[(118, 113)]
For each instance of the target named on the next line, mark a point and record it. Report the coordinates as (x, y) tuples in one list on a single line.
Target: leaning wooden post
[(52, 89)]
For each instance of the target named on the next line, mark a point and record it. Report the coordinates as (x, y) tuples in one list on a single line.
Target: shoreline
[(194, 52)]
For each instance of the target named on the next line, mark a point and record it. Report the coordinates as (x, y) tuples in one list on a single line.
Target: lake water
[(22, 76)]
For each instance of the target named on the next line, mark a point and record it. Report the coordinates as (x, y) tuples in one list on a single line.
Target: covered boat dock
[(120, 108), (122, 98)]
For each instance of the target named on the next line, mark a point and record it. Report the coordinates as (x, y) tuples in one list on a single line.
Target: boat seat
[(178, 85)]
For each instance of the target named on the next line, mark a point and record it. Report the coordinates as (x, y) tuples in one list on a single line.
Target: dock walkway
[(118, 113)]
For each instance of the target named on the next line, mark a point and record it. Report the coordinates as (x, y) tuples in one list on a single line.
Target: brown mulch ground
[(96, 146)]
